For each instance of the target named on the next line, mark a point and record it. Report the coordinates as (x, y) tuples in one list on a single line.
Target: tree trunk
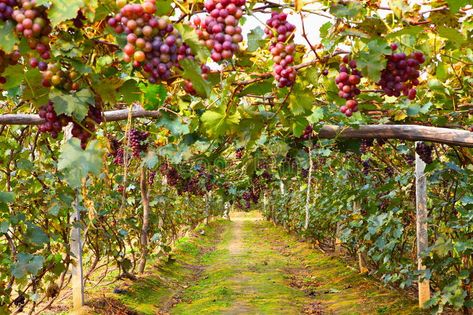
[(146, 211)]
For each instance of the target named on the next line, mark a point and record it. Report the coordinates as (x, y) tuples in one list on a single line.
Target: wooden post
[(146, 212), (361, 255), (421, 225), (207, 207), (307, 200), (338, 242), (76, 251)]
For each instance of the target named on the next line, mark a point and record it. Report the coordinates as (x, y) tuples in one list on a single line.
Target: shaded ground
[(248, 266)]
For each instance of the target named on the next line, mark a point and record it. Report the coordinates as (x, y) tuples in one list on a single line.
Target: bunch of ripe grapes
[(170, 173), (401, 74), (34, 25), (53, 123), (280, 32), (347, 82), (138, 142), (153, 44), (308, 132), (53, 75), (6, 9), (151, 177), (425, 152), (219, 30), (85, 130), (239, 153), (7, 60)]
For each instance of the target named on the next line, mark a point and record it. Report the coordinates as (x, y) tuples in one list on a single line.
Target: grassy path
[(259, 269), (248, 266)]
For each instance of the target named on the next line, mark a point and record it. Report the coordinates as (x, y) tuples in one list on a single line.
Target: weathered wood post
[(421, 227), (77, 271), (146, 214), (361, 255), (307, 199)]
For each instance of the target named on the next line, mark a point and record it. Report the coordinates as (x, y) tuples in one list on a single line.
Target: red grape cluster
[(219, 30), (239, 153), (280, 32), (152, 43), (347, 82), (170, 173), (189, 87), (7, 60), (308, 132), (85, 130), (7, 8), (53, 123), (425, 152), (53, 75), (138, 141), (401, 75), (33, 23)]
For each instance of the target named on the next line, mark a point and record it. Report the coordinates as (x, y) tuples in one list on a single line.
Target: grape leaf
[(300, 102), (75, 105), (26, 264), (298, 126), (258, 88), (7, 197), (14, 76), (255, 39), (130, 91), (189, 36), (192, 72), (372, 61), (163, 7), (63, 10), (36, 235), (77, 163), (456, 5), (453, 35), (34, 89), (154, 95), (8, 38), (219, 122)]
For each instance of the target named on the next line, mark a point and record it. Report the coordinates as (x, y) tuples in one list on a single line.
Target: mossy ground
[(248, 266)]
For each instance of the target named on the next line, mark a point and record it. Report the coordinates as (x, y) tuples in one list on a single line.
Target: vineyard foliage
[(241, 88)]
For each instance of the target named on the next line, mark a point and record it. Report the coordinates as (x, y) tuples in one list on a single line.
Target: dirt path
[(259, 269)]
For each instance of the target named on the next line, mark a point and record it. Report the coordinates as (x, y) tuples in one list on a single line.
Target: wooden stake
[(146, 213), (76, 251), (421, 225), (307, 200), (361, 255)]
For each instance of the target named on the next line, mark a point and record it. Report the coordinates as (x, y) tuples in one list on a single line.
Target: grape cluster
[(347, 82), (280, 32), (401, 75), (153, 44), (425, 152), (53, 75), (219, 30), (53, 123), (85, 129), (189, 87), (366, 166), (33, 24), (7, 8), (138, 141), (7, 60), (170, 173), (410, 159), (308, 132)]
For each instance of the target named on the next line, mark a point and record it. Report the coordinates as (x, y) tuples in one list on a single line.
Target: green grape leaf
[(7, 197), (63, 10), (14, 76), (189, 36), (173, 124), (453, 35), (255, 39), (26, 264), (34, 89), (130, 91), (163, 7), (300, 102), (8, 38), (36, 235), (316, 116), (193, 73), (372, 61), (298, 126), (456, 5), (77, 163), (258, 88), (350, 9), (219, 122), (154, 95), (75, 105)]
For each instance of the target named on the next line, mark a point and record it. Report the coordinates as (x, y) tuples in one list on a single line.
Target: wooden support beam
[(403, 132), (421, 227)]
